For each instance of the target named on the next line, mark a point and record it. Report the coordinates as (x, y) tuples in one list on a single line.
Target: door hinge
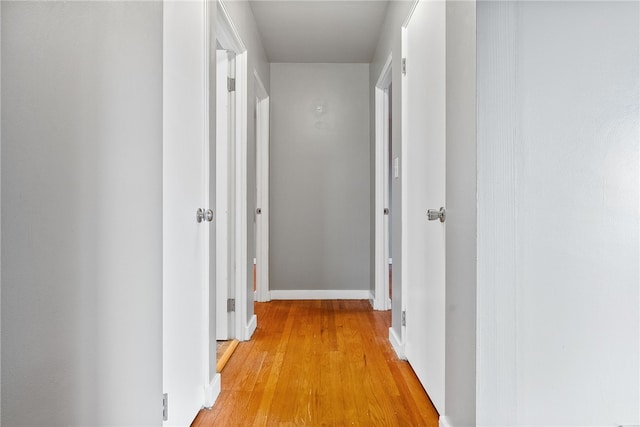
[(231, 84), (404, 66), (231, 305), (165, 407), (404, 318)]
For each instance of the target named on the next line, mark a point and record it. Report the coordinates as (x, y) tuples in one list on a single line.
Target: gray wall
[(320, 177), (558, 233), (390, 42), (460, 376), (81, 234)]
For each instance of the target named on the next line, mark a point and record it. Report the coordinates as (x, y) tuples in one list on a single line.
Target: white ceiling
[(319, 31)]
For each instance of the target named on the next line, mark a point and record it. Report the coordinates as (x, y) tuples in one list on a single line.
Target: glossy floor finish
[(316, 363)]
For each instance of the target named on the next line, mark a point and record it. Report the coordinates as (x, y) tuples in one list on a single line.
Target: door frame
[(262, 184), (223, 147), (229, 36), (381, 250)]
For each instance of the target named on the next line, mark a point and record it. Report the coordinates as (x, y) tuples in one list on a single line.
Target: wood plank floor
[(319, 363)]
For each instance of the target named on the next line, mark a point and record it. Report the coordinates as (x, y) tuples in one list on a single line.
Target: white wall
[(244, 22), (461, 278), (81, 222), (320, 183), (390, 43), (558, 188), (0, 215)]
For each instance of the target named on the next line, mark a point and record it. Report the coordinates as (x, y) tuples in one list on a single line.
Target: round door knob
[(440, 214)]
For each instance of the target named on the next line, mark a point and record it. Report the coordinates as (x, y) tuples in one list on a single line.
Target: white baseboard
[(267, 296), (212, 391), (251, 327), (444, 421), (376, 304), (397, 344), (318, 294)]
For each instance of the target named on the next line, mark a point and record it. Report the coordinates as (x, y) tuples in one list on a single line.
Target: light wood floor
[(317, 363)]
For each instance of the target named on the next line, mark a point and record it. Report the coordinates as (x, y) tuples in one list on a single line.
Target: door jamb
[(381, 297), (400, 346), (222, 148), (262, 177)]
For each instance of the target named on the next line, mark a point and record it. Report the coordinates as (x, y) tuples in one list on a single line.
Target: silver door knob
[(209, 215), (433, 214), (200, 215)]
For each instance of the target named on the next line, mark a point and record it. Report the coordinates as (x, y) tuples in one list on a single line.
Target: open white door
[(187, 349), (262, 191), (381, 299), (424, 126)]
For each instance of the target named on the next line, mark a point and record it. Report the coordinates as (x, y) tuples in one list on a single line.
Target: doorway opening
[(225, 143), (231, 187)]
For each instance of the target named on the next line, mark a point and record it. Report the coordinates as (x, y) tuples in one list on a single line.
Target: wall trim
[(397, 344), (251, 327), (444, 421), (212, 391), (226, 31), (319, 294)]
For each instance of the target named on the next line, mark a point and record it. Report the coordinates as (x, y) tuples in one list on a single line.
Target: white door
[(262, 191), (424, 188), (186, 351)]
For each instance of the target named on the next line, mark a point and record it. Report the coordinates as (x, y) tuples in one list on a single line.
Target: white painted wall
[(0, 214), (558, 233), (81, 213), (244, 22), (389, 42), (461, 231), (320, 177)]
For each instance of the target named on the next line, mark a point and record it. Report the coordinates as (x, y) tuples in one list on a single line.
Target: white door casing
[(423, 174)]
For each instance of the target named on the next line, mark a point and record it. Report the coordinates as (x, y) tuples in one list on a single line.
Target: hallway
[(319, 363)]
